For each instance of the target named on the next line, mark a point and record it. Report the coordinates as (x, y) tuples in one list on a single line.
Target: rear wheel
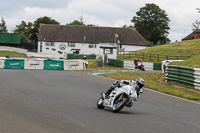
[(119, 104), (100, 103)]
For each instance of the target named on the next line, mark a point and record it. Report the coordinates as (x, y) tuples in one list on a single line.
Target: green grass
[(12, 54), (192, 62), (184, 48), (155, 81)]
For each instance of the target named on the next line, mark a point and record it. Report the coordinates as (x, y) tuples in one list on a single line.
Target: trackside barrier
[(74, 65), (14, 63), (45, 64), (53, 65), (183, 75), (2, 62), (34, 64), (80, 56), (116, 63), (131, 65)]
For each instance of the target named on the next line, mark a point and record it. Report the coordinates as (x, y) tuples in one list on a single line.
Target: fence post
[(129, 54), (150, 57), (143, 57)]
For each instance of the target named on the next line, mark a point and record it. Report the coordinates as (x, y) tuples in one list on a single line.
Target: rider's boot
[(103, 95)]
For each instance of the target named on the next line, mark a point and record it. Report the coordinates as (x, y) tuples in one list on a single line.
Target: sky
[(104, 13)]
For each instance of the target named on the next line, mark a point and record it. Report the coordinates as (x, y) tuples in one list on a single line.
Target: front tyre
[(119, 104), (100, 103), (142, 69)]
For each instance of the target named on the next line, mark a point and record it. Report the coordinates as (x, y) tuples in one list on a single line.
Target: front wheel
[(100, 103), (119, 104)]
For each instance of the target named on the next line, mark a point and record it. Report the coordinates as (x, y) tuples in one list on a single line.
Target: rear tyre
[(100, 103), (119, 104)]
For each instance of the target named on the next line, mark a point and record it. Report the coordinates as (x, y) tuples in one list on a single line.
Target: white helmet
[(140, 82)]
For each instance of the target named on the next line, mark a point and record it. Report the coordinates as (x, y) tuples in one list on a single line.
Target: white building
[(59, 40)]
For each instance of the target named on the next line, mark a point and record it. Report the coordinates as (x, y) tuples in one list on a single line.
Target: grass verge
[(155, 81), (12, 54)]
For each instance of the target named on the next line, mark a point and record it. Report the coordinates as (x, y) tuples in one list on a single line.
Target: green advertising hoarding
[(53, 65), (14, 63), (10, 38)]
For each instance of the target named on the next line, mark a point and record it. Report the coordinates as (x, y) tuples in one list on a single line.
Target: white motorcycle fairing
[(128, 90)]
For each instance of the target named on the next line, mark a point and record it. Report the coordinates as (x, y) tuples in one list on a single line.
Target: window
[(40, 46), (71, 45), (75, 51), (108, 51), (92, 46), (50, 44)]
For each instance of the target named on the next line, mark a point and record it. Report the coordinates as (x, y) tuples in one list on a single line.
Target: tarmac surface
[(45, 101)]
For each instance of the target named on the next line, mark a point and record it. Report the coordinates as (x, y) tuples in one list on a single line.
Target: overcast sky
[(107, 13)]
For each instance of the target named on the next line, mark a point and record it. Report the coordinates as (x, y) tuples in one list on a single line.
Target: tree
[(196, 25), (152, 23), (130, 26), (76, 22), (3, 28), (79, 22), (24, 29), (35, 30)]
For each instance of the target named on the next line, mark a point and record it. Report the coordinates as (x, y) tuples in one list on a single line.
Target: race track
[(42, 101)]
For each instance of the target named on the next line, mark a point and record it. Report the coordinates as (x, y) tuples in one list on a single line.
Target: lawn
[(156, 81), (184, 48), (12, 54)]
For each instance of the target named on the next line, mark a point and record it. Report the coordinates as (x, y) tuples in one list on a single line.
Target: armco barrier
[(157, 66), (183, 75), (116, 63), (130, 64)]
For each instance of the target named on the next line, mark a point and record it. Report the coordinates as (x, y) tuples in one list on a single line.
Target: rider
[(139, 83), (85, 62), (136, 62)]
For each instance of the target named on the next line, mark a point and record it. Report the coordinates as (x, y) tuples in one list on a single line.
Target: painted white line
[(151, 90), (96, 74)]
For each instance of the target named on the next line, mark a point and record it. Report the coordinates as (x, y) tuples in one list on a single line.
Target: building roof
[(191, 35), (89, 34)]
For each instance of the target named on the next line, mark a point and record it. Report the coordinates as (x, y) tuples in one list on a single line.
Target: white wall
[(56, 49), (132, 48)]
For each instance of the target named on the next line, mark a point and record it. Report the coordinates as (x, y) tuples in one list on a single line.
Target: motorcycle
[(140, 65), (119, 97)]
